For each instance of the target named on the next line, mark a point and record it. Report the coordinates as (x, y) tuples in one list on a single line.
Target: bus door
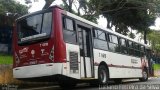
[(86, 60)]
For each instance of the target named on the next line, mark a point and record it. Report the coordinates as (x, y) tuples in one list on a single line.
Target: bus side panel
[(70, 71), (120, 66)]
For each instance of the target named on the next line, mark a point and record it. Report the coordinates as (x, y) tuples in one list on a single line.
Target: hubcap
[(144, 75), (103, 76)]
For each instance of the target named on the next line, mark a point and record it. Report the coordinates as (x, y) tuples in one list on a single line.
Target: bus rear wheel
[(144, 76), (103, 75)]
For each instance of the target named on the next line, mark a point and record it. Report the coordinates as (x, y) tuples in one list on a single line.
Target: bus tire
[(144, 76), (103, 75)]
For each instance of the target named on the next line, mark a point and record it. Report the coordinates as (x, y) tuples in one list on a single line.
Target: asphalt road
[(151, 84)]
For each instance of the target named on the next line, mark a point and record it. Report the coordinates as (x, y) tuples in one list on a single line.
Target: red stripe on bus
[(122, 66), (119, 66)]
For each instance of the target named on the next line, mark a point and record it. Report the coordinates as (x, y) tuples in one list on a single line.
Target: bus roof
[(96, 25), (41, 11)]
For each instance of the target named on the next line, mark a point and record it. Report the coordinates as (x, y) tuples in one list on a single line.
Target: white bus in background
[(69, 48)]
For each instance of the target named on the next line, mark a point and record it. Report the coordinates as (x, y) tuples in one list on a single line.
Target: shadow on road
[(86, 86)]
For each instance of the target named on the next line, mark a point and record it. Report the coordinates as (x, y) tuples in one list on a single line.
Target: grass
[(156, 66), (6, 59)]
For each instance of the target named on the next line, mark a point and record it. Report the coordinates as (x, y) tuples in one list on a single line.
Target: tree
[(123, 14), (68, 5), (48, 3), (85, 9), (154, 40), (10, 10), (136, 14), (11, 6)]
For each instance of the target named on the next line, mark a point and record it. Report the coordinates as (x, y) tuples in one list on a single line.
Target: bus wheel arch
[(103, 73)]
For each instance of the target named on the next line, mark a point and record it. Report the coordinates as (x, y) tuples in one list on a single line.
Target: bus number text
[(103, 55)]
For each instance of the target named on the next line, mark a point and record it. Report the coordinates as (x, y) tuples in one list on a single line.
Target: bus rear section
[(36, 38)]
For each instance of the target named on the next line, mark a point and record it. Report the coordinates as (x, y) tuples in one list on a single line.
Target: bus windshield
[(34, 27)]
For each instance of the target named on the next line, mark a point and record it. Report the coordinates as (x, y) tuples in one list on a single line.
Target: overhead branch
[(48, 3)]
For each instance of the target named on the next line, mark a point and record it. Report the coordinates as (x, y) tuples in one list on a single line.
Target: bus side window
[(142, 51), (69, 32), (100, 41), (131, 50), (113, 43), (136, 49), (123, 46), (69, 24)]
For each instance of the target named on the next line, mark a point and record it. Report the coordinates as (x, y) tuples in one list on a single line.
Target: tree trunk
[(70, 6), (48, 3), (145, 36)]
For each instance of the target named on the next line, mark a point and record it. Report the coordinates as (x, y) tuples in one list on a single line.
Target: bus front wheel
[(103, 75), (144, 76)]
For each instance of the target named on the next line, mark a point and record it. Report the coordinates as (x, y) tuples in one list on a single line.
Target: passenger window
[(137, 53), (69, 36), (69, 24), (142, 48), (69, 33), (100, 44), (113, 47), (131, 51), (113, 39), (101, 35), (100, 40), (123, 42), (113, 44), (124, 48), (130, 43)]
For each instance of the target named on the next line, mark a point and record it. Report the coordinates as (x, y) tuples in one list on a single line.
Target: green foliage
[(12, 6), (137, 14), (85, 9), (154, 40), (131, 35), (10, 10)]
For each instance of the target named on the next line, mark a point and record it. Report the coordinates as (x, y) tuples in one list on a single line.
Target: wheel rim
[(144, 75), (103, 76)]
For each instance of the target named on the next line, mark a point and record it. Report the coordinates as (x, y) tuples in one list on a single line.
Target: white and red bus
[(56, 44)]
